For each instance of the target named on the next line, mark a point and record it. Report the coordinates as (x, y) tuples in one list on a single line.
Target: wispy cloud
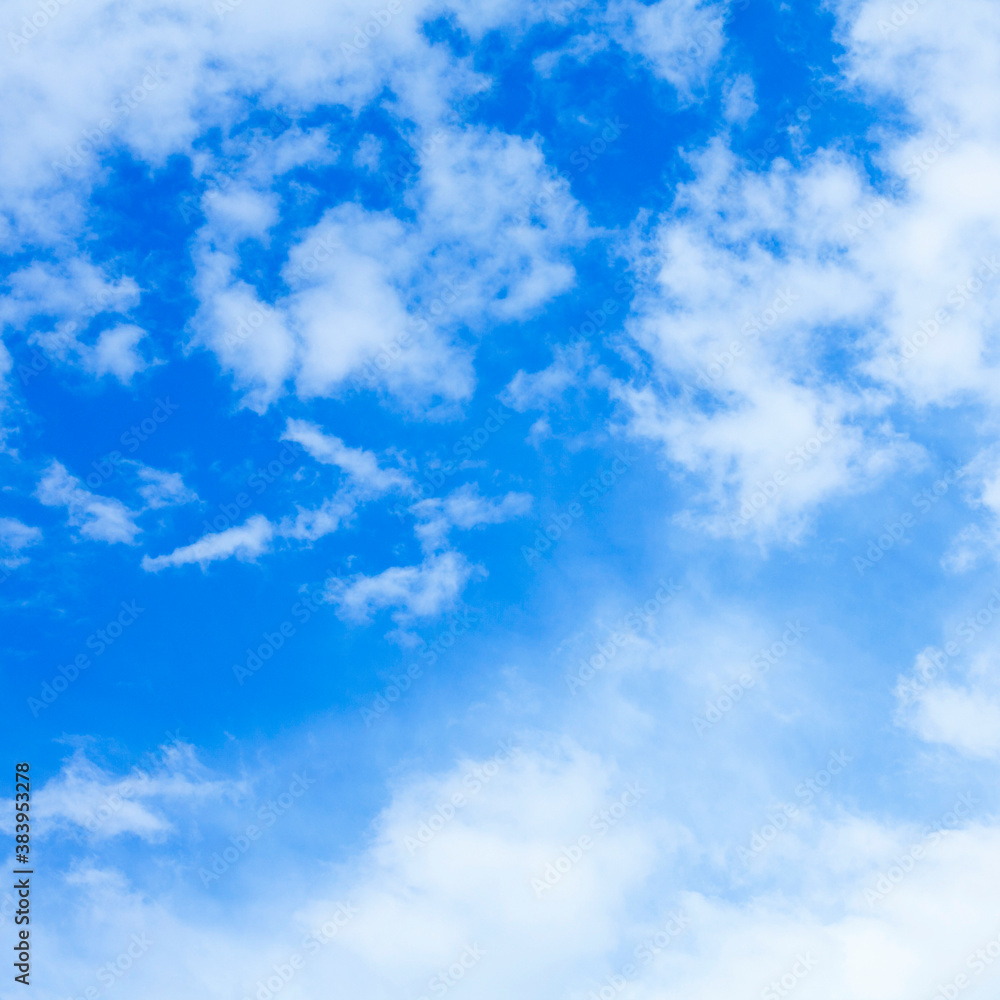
[(101, 518)]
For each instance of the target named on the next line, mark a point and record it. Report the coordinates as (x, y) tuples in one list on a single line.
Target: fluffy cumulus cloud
[(755, 273), (750, 283), (156, 82), (376, 303)]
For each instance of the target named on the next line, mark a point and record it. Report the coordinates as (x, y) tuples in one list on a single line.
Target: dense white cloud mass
[(754, 276), (527, 868)]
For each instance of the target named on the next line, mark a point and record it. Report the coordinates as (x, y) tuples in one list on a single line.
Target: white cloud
[(241, 212), (115, 353), (952, 697), (978, 541), (739, 104), (366, 308), (244, 541), (433, 586), (101, 518), (361, 466), (464, 508), (15, 535), (369, 153), (422, 591), (87, 796), (736, 329), (752, 278), (680, 39), (512, 252), (72, 293), (163, 489), (310, 524), (538, 390), (248, 336), (74, 289), (967, 720), (457, 858), (191, 71)]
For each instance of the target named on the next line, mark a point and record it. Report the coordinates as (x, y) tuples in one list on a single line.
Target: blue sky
[(484, 493)]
